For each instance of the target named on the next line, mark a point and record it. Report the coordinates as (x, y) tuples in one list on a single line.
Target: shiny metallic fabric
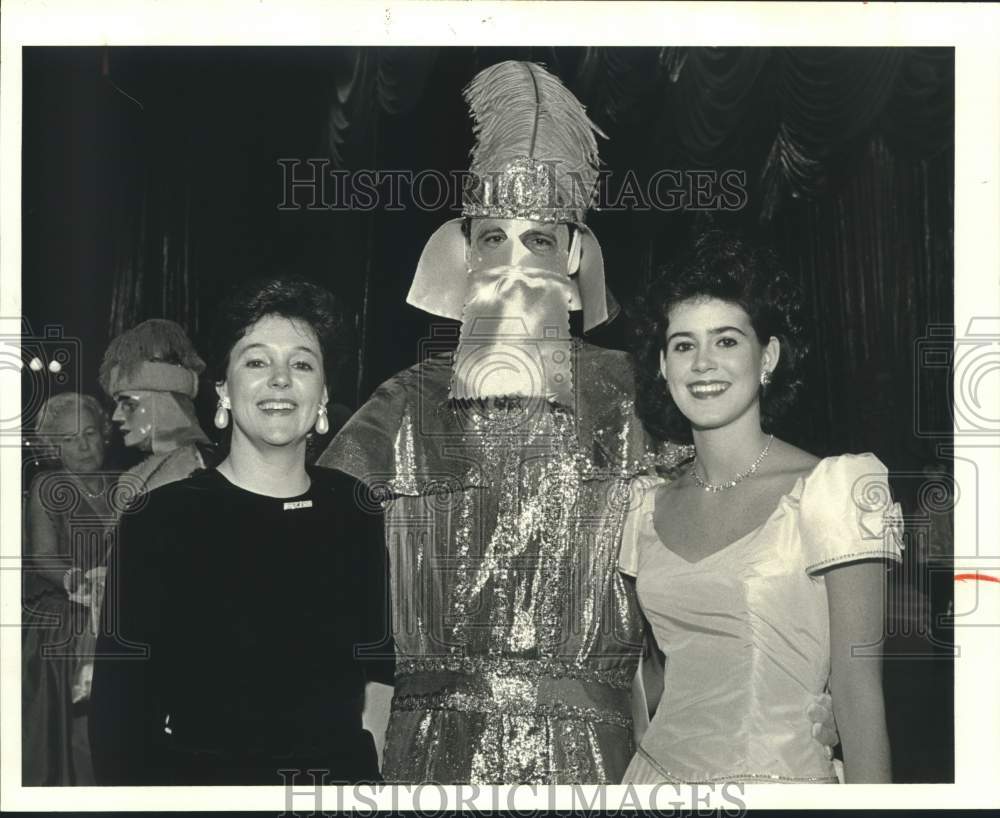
[(516, 636)]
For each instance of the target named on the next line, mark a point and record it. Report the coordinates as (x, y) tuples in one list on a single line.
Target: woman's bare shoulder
[(788, 459)]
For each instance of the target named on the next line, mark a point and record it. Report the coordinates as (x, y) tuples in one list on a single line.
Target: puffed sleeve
[(640, 499), (848, 513)]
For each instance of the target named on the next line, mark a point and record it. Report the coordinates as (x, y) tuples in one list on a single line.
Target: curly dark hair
[(289, 297), (729, 268)]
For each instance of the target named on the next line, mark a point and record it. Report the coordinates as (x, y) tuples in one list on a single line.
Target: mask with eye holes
[(526, 259), (515, 339)]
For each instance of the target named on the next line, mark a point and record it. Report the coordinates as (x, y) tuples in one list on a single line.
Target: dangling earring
[(765, 377), (221, 419), (322, 424)]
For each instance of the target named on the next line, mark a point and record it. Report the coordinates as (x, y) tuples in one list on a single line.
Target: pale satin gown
[(746, 630)]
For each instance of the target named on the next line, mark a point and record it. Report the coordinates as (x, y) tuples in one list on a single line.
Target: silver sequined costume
[(516, 637)]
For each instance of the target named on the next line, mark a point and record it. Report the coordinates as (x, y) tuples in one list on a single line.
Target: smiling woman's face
[(275, 382), (712, 361)]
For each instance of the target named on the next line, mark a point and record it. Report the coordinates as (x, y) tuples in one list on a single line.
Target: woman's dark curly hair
[(728, 268), (289, 297)]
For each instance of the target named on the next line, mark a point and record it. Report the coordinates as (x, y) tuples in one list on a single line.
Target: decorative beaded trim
[(553, 215), (752, 777), (619, 678), (858, 555), (475, 703)]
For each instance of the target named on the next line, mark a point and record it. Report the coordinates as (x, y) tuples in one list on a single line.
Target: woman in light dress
[(761, 569)]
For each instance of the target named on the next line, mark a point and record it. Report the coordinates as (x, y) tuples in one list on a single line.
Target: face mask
[(134, 414), (157, 422), (515, 338)]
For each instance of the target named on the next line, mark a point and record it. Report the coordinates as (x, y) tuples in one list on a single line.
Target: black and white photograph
[(427, 404)]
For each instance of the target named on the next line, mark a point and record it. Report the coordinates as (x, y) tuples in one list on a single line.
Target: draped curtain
[(849, 165), (875, 258), (789, 115), (150, 211), (152, 253), (847, 154)]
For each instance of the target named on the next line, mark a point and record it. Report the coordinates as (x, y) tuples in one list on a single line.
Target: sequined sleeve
[(364, 446), (848, 513)]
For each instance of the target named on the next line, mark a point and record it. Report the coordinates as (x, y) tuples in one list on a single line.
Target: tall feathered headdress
[(535, 155), (535, 158), (155, 355)]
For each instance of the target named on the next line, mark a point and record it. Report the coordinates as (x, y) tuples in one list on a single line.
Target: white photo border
[(973, 31)]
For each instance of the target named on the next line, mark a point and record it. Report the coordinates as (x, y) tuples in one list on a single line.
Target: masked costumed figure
[(151, 371), (503, 466)]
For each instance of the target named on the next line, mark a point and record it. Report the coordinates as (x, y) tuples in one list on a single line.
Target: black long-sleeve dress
[(239, 632)]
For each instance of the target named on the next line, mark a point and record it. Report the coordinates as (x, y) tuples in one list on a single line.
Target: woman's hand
[(84, 584), (856, 596), (375, 716), (824, 725)]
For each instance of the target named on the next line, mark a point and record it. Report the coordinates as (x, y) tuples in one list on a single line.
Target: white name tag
[(298, 504)]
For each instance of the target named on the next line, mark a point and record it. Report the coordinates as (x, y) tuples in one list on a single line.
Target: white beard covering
[(515, 340)]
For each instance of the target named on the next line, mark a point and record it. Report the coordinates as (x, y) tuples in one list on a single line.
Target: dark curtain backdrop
[(152, 183)]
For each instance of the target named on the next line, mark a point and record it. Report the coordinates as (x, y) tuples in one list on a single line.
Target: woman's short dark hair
[(728, 268), (290, 297)]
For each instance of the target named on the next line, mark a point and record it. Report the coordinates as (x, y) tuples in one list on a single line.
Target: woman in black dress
[(246, 609)]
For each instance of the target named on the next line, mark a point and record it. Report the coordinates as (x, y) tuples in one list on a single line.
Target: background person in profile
[(151, 372), (252, 584)]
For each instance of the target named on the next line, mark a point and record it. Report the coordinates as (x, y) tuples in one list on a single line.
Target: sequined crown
[(535, 155)]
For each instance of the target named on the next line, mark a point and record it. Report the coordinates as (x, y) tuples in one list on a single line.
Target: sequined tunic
[(516, 636)]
